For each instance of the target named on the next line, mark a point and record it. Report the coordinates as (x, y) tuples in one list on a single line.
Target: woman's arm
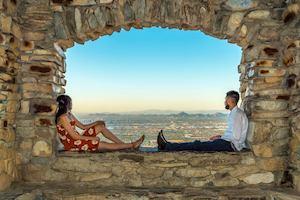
[(95, 123), (66, 124), (78, 123), (86, 126)]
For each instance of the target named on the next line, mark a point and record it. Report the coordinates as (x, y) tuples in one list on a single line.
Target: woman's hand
[(215, 137)]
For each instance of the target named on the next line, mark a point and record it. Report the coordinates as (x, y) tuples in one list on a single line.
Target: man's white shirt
[(237, 125)]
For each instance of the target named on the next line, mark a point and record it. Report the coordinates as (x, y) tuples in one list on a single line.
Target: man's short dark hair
[(233, 94)]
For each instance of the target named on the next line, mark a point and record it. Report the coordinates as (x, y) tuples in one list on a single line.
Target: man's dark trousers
[(207, 146)]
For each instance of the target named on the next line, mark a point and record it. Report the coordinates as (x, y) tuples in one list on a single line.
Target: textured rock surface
[(64, 191), (33, 35), (152, 169)]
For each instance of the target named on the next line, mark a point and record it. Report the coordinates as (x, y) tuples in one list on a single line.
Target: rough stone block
[(42, 149), (42, 108), (27, 45), (273, 164), (83, 2), (226, 182), (81, 165), (1, 4), (273, 79), (2, 41), (151, 172), (259, 132), (234, 22), (267, 177), (6, 77), (33, 36), (6, 23), (259, 14), (25, 132), (26, 145), (262, 150), (8, 166), (7, 135), (271, 72), (5, 181), (242, 170), (93, 176), (269, 105), (6, 152), (170, 165), (104, 1), (264, 63), (296, 181), (226, 159), (43, 88), (241, 4), (192, 172)]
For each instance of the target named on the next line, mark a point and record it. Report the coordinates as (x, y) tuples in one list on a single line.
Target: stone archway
[(34, 35)]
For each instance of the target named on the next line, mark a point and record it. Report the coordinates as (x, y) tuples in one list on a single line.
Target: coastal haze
[(177, 126)]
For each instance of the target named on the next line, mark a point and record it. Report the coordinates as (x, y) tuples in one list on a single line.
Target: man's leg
[(207, 146), (184, 146)]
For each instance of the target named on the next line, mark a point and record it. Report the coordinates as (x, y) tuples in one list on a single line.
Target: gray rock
[(60, 31), (259, 14), (271, 105), (192, 172), (93, 22), (267, 177), (78, 20), (234, 22), (101, 17), (241, 4)]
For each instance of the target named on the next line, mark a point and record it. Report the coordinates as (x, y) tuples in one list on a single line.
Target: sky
[(152, 69)]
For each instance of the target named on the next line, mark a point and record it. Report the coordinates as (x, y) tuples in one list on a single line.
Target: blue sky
[(152, 68)]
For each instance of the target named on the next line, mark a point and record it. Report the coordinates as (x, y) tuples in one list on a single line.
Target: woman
[(72, 141)]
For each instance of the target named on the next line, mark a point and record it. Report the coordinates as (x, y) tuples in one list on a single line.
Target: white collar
[(234, 108)]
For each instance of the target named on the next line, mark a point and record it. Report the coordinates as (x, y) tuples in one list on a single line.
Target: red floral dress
[(77, 145)]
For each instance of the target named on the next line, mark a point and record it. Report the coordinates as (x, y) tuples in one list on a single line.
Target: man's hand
[(215, 137)]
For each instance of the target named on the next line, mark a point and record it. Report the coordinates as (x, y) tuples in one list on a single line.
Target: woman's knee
[(99, 128)]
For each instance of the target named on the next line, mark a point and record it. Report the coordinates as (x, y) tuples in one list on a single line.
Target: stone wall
[(10, 39), (270, 86), (291, 60), (267, 31), (158, 169)]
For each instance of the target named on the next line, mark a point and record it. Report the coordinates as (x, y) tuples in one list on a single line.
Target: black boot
[(161, 143), (162, 136)]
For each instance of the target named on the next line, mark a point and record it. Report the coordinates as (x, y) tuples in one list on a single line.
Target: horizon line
[(156, 111)]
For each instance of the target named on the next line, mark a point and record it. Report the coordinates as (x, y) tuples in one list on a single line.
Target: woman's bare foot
[(137, 143)]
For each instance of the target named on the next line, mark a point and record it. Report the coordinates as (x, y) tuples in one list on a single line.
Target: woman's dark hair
[(63, 104)]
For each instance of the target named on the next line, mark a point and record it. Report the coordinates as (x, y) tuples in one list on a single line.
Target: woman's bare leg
[(119, 146), (105, 146), (108, 134)]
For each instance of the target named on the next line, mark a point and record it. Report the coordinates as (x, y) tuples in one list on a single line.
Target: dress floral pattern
[(77, 145)]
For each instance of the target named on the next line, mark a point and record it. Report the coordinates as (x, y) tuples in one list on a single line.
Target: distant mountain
[(183, 114), (150, 115), (160, 112)]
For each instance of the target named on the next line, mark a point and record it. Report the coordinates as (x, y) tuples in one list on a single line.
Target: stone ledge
[(149, 150), (76, 191), (148, 169), (155, 157)]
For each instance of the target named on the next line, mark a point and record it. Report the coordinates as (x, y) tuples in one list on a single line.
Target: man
[(232, 140)]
